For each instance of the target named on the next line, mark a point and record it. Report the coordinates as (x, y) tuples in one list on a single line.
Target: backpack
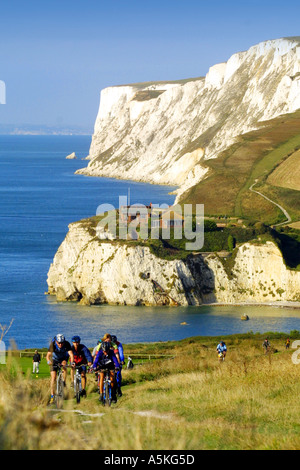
[(129, 363)]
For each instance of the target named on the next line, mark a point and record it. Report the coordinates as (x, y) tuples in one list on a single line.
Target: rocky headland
[(95, 271)]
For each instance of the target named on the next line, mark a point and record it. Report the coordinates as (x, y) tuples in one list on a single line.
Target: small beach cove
[(152, 324)]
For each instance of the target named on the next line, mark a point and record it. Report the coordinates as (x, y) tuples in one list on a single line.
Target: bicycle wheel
[(77, 390), (107, 394), (59, 391)]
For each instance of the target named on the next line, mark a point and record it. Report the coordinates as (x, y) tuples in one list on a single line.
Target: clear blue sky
[(56, 56)]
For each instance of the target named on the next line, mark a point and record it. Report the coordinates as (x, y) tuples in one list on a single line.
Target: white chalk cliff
[(94, 271), (163, 132)]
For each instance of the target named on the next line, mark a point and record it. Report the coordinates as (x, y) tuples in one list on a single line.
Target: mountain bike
[(60, 385), (221, 357), (77, 382), (107, 387)]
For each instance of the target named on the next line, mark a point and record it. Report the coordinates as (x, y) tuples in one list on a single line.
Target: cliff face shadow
[(200, 288), (289, 247)]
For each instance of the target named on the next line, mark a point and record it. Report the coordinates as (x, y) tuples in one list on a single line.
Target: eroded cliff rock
[(71, 156), (92, 271)]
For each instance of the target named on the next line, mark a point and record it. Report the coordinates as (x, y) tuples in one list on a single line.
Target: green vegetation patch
[(181, 398), (216, 239), (250, 160)]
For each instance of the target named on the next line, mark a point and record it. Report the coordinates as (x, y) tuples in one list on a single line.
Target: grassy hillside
[(253, 159), (287, 174), (184, 401)]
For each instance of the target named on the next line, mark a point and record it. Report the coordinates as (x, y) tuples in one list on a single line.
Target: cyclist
[(96, 349), (81, 356), (59, 352), (266, 345), (94, 354), (122, 362), (222, 350), (107, 337), (106, 359)]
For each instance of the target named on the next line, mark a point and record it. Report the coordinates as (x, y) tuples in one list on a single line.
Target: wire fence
[(43, 355), (150, 356), (21, 354)]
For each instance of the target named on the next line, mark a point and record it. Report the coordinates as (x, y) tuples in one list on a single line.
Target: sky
[(56, 56)]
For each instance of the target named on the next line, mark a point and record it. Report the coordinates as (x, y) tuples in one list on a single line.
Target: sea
[(39, 196)]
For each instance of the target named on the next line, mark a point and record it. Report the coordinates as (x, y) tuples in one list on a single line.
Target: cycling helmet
[(105, 346), (76, 339), (114, 338), (59, 338)]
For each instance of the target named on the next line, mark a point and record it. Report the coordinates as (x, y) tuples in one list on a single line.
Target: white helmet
[(60, 338)]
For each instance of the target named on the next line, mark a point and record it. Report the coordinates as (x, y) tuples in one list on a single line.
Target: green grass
[(287, 173), (184, 402), (25, 363), (273, 158), (253, 157), (289, 198)]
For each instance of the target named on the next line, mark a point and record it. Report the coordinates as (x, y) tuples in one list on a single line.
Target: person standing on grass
[(36, 362), (266, 345)]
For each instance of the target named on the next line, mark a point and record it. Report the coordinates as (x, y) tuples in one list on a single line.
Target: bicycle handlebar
[(73, 367)]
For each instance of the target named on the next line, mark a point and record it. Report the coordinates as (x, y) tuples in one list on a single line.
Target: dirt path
[(275, 203), (146, 414)]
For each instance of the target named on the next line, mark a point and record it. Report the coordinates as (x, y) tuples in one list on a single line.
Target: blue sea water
[(39, 197)]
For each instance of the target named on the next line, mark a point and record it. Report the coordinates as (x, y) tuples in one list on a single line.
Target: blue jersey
[(121, 352), (60, 354), (105, 361)]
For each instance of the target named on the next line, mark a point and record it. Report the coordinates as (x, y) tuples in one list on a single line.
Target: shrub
[(210, 226), (230, 243)]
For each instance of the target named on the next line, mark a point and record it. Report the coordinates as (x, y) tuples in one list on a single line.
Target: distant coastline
[(31, 129)]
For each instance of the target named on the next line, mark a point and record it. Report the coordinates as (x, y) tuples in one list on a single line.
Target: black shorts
[(81, 369), (54, 366), (109, 366)]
